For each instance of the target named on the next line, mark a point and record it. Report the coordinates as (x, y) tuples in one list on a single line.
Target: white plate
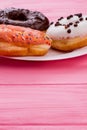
[(54, 55)]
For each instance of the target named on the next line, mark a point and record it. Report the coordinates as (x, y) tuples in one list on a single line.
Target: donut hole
[(18, 17)]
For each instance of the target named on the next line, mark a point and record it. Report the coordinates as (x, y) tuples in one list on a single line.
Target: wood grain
[(43, 105), (72, 71), (43, 127)]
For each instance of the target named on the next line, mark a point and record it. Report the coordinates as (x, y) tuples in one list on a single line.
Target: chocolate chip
[(67, 26), (75, 25), (81, 19), (58, 24), (70, 16), (69, 31), (70, 23), (77, 22), (60, 18), (86, 18), (79, 15)]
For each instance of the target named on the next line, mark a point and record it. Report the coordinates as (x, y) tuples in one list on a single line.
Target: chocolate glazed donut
[(25, 18)]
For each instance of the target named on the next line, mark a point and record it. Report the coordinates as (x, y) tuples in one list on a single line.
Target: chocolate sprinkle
[(16, 35), (70, 16), (58, 24), (70, 23), (75, 25), (60, 18), (77, 22), (67, 26), (47, 37), (79, 15), (69, 31), (81, 19)]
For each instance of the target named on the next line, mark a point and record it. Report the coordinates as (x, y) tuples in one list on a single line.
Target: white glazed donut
[(69, 33)]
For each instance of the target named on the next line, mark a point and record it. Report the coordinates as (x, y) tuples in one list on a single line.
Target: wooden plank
[(58, 72), (43, 127), (43, 104)]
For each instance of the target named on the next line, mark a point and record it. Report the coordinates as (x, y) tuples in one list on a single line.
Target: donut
[(24, 17), (69, 33), (21, 41)]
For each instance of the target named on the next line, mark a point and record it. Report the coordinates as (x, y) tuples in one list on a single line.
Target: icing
[(70, 27)]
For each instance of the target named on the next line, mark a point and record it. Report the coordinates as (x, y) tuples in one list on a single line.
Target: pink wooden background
[(44, 95)]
